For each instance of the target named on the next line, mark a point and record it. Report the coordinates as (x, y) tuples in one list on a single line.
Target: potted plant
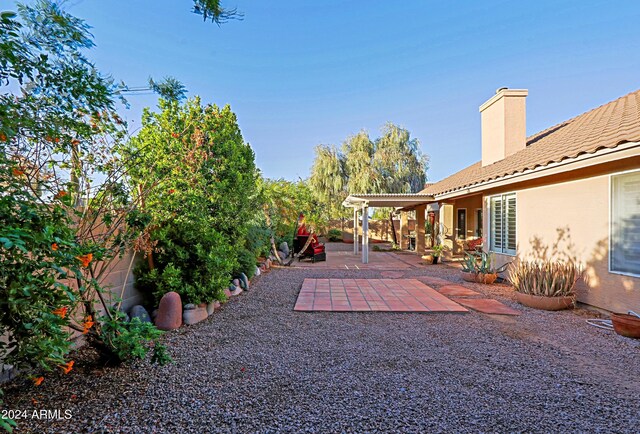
[(547, 285), (479, 268), (436, 252)]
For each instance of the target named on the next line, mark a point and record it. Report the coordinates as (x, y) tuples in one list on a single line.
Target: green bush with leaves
[(246, 263), (334, 235), (131, 340), (57, 124), (202, 181)]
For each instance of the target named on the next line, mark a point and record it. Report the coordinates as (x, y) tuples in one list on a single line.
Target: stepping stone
[(392, 274), (429, 280), (486, 305), (457, 291)]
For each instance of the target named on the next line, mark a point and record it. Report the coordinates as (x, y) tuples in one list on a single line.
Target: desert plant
[(545, 278), (438, 249), (334, 235), (481, 263)]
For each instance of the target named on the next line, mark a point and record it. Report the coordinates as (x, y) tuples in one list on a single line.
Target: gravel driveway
[(257, 366)]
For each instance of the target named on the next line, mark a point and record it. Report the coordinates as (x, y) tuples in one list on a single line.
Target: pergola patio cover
[(364, 201), (394, 200)]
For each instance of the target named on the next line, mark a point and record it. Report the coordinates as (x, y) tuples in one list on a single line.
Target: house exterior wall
[(574, 217), (471, 204)]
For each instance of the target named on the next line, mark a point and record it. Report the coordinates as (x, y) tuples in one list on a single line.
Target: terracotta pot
[(487, 279), (545, 303), (626, 325)]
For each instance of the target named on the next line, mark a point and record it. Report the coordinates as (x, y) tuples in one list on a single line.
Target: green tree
[(358, 151), (328, 180), (213, 10), (201, 178), (398, 163)]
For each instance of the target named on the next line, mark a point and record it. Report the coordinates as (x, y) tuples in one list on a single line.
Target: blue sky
[(301, 73)]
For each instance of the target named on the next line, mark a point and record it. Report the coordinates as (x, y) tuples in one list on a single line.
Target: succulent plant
[(545, 278)]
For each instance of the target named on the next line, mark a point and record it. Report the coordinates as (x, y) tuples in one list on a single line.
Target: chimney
[(504, 124)]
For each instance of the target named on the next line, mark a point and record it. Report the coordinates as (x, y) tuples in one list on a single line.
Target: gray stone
[(237, 291), (284, 248), (257, 272), (244, 281), (189, 306), (140, 312), (282, 255), (169, 312), (194, 316), (236, 282), (211, 307)]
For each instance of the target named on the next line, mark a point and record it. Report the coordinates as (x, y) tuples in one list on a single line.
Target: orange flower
[(88, 323), (61, 312), (54, 246), (67, 367), (37, 381), (75, 142), (3, 138), (171, 191), (17, 172), (85, 259), (61, 194), (175, 135)]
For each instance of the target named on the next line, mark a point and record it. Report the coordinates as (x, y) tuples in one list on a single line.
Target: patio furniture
[(315, 250)]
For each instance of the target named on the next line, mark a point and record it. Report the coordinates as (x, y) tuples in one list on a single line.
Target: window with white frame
[(625, 223), (502, 236)]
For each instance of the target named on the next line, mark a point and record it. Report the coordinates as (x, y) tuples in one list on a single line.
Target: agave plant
[(545, 278), (481, 263)]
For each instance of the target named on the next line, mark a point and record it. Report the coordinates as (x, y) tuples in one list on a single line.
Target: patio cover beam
[(362, 202)]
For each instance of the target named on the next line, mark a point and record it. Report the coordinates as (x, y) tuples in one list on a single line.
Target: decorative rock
[(139, 312), (227, 292), (236, 282), (211, 307), (217, 304), (237, 291), (284, 248), (282, 254), (189, 306), (244, 281), (154, 313), (257, 272), (195, 315), (169, 312)]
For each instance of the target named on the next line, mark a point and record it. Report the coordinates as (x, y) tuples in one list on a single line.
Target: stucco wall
[(573, 218)]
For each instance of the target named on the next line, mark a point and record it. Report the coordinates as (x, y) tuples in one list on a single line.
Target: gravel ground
[(257, 366)]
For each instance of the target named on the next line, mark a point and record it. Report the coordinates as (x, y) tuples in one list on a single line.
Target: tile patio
[(365, 295)]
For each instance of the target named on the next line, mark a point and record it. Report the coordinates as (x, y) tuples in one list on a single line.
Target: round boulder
[(169, 312), (139, 312)]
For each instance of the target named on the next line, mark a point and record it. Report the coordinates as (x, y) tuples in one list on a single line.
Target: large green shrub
[(201, 179), (246, 263)]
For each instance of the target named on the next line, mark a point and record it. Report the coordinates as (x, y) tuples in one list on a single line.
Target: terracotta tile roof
[(607, 126)]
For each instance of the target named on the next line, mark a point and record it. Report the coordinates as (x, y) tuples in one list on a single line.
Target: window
[(625, 223), (462, 223), (503, 223), (479, 223)]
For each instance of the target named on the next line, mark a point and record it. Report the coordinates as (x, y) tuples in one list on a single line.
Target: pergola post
[(420, 229), (355, 231), (365, 234), (404, 228)]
